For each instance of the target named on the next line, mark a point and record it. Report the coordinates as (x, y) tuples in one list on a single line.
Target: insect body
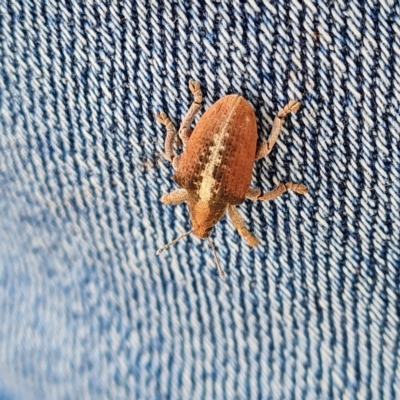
[(214, 171)]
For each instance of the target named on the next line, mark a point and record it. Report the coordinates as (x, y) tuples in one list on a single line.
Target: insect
[(214, 171)]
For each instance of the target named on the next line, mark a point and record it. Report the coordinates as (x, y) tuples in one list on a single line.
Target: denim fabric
[(88, 311)]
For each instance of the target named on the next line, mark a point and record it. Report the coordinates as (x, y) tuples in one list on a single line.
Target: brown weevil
[(214, 171)]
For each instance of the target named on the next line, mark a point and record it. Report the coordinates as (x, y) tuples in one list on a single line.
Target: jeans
[(89, 311)]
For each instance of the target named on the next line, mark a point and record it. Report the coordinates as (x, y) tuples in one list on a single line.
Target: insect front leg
[(177, 196), (266, 147), (162, 117), (278, 191), (184, 130), (238, 223)]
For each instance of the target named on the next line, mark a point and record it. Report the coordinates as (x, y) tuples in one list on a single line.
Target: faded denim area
[(87, 309)]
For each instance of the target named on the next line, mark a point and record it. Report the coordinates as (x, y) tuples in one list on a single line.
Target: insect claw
[(290, 107), (252, 241), (293, 105), (298, 188), (194, 86), (161, 117)]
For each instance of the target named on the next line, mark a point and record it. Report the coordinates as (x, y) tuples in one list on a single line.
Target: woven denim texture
[(89, 311)]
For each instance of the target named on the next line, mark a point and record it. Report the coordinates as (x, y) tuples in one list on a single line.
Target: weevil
[(214, 171)]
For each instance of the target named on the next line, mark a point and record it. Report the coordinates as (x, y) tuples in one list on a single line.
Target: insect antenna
[(220, 270), (161, 249)]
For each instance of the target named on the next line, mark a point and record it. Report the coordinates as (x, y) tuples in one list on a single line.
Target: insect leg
[(162, 117), (238, 223), (184, 130), (266, 147), (282, 188), (177, 196), (253, 194)]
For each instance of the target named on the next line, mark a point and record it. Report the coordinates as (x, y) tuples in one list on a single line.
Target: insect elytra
[(214, 171)]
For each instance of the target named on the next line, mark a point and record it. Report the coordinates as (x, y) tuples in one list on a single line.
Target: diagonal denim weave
[(88, 311)]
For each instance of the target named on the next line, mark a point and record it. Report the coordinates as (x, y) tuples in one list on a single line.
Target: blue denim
[(87, 309)]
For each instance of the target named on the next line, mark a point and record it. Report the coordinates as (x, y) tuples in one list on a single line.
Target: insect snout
[(202, 232)]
